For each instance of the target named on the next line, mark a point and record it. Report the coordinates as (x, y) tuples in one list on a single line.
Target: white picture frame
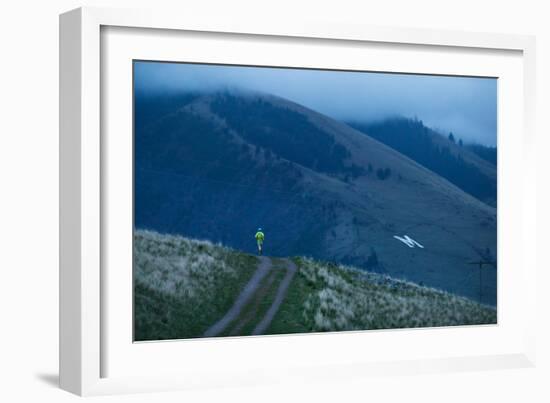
[(83, 185)]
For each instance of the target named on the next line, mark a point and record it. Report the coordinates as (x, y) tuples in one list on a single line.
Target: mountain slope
[(458, 164), (220, 165), (486, 153)]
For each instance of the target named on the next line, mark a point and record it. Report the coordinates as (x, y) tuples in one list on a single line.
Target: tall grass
[(183, 285), (346, 298)]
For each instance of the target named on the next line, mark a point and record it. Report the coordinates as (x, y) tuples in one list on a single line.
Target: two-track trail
[(249, 315)]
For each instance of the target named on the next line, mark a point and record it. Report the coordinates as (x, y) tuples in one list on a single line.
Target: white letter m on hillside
[(408, 241)]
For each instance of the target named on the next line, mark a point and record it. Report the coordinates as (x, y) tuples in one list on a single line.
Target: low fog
[(463, 105)]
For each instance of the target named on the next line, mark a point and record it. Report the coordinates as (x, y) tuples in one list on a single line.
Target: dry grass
[(181, 267), (345, 298), (183, 285)]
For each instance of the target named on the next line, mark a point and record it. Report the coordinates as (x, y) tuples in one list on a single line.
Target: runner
[(260, 240)]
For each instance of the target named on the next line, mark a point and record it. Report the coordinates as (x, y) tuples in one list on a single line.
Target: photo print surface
[(273, 200)]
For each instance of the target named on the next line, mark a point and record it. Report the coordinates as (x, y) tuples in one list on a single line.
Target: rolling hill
[(185, 285), (217, 166)]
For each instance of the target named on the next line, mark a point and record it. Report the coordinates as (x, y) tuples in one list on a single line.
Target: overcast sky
[(465, 106)]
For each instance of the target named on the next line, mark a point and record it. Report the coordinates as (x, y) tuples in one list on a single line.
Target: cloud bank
[(465, 106)]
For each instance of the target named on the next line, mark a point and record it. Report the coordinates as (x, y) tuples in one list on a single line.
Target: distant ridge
[(458, 163)]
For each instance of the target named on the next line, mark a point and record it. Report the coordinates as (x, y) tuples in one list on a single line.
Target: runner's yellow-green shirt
[(259, 236)]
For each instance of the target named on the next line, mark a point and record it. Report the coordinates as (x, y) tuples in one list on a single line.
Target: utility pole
[(481, 263)]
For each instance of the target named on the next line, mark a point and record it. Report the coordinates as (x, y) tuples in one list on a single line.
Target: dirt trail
[(244, 297), (250, 298), (251, 315), (281, 293)]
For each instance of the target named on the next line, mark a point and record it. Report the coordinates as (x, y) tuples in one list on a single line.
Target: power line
[(481, 263)]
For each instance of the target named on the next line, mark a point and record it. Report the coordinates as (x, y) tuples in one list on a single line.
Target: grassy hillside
[(182, 286), (327, 297)]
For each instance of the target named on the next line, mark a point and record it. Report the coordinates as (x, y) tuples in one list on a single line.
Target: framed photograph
[(249, 202)]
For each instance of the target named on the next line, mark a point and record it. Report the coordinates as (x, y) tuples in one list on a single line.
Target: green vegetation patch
[(182, 286), (290, 317), (328, 297), (256, 309)]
